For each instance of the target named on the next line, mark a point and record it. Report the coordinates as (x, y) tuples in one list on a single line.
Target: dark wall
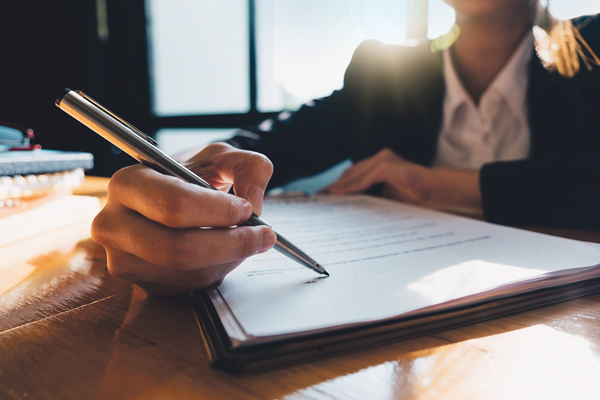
[(46, 46)]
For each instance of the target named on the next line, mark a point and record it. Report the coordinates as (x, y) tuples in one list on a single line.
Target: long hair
[(560, 46)]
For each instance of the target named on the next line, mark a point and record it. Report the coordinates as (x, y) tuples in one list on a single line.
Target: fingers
[(178, 249), (364, 174), (158, 281), (248, 171), (358, 182), (172, 202), (150, 226)]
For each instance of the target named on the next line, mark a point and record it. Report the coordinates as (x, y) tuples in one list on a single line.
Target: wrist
[(456, 191)]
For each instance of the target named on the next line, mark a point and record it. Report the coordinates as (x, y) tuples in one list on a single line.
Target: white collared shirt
[(495, 130)]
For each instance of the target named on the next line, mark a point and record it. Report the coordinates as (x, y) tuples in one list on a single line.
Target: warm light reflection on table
[(68, 330), (529, 371)]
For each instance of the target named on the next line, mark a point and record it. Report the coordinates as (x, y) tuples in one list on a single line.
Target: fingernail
[(255, 197), (268, 240)]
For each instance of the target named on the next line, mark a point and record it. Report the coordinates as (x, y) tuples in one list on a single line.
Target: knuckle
[(267, 164), (115, 270), (385, 153), (218, 147), (177, 252), (231, 211), (210, 155), (172, 209), (121, 182), (117, 266), (245, 243), (260, 162), (118, 179), (101, 227)]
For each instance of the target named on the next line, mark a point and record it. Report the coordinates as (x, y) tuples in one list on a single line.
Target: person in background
[(497, 119)]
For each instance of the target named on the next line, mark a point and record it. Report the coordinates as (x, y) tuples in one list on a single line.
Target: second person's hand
[(440, 188)]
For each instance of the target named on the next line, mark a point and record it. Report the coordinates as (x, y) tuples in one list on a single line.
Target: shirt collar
[(455, 92), (510, 83)]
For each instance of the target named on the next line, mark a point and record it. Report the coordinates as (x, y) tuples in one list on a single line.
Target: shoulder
[(589, 24), (374, 52), (397, 64)]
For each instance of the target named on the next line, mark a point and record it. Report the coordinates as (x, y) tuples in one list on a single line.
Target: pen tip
[(318, 268), (322, 270)]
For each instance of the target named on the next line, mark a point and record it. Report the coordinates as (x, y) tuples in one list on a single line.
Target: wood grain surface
[(68, 330)]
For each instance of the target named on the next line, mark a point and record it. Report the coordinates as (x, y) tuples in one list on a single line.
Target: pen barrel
[(143, 148), (285, 247), (289, 250), (124, 136), (109, 128), (255, 220)]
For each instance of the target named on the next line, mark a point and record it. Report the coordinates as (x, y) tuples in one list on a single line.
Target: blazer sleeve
[(319, 135), (557, 192), (382, 104)]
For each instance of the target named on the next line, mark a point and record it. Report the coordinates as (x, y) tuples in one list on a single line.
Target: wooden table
[(68, 330)]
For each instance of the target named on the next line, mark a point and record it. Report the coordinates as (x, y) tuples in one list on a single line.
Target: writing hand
[(169, 236)]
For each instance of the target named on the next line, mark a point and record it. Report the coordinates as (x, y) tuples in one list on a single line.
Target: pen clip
[(115, 116)]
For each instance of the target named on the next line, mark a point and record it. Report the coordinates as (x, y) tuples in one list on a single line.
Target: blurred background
[(190, 72)]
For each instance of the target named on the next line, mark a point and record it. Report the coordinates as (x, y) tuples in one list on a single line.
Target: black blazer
[(392, 98)]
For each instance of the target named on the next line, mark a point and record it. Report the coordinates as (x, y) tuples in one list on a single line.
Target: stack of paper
[(392, 266)]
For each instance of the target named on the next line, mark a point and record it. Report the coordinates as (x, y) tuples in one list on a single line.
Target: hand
[(151, 224), (442, 188)]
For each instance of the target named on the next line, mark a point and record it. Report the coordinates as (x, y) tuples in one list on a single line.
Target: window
[(229, 63), (198, 56), (303, 47), (565, 9)]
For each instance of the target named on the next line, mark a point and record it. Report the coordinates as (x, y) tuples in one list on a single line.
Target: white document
[(386, 259)]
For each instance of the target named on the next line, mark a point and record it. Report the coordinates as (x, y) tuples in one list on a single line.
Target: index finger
[(173, 202), (249, 172)]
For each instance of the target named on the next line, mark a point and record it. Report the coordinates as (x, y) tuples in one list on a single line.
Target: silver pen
[(144, 149)]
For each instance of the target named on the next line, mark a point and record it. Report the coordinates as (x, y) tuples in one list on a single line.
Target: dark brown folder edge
[(288, 352)]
